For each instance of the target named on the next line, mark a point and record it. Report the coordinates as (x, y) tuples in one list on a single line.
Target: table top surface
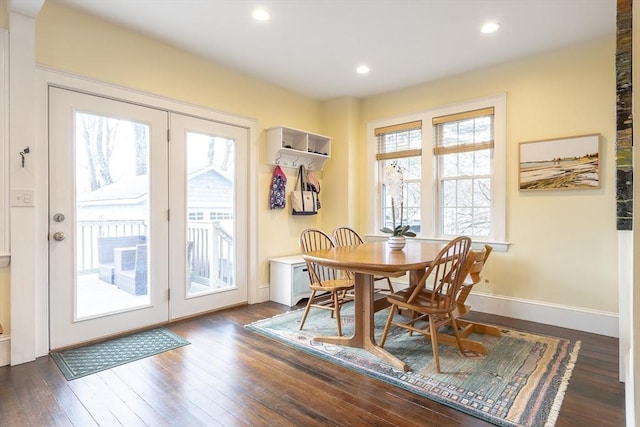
[(377, 257)]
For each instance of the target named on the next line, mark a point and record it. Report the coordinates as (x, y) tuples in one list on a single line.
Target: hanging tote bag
[(303, 201)]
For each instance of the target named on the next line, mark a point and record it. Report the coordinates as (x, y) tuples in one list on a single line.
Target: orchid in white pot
[(394, 181)]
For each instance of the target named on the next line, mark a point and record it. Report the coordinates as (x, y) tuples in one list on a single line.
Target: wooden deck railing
[(209, 248), (210, 252)]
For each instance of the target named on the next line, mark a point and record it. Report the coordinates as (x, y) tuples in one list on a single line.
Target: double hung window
[(453, 165)]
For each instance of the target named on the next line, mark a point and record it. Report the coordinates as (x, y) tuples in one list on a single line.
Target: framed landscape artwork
[(560, 164)]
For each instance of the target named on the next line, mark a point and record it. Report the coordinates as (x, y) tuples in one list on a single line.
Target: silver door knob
[(58, 236)]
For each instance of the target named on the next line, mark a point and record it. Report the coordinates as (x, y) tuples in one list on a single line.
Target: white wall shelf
[(289, 147)]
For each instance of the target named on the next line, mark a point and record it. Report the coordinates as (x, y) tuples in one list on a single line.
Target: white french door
[(133, 221), (108, 198), (208, 228)]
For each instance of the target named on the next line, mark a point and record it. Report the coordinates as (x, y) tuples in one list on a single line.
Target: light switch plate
[(22, 198)]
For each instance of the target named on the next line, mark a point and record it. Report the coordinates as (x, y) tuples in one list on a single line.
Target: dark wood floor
[(229, 376)]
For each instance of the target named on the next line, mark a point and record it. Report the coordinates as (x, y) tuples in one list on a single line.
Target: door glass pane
[(210, 226), (112, 215)]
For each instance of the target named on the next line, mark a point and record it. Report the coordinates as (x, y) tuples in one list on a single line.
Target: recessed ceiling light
[(261, 15), (490, 27), (362, 69)]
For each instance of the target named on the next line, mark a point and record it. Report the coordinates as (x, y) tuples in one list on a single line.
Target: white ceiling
[(313, 46)]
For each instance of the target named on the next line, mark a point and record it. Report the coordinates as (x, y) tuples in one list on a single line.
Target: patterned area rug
[(520, 382), (82, 361)]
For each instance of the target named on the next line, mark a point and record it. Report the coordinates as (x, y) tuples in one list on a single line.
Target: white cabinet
[(290, 147), (289, 280)]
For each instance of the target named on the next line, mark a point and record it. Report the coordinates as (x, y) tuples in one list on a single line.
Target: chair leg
[(337, 306), (454, 326), (414, 317), (387, 325), (306, 309), (390, 285), (434, 342)]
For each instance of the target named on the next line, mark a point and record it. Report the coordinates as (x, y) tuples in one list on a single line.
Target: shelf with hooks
[(288, 147)]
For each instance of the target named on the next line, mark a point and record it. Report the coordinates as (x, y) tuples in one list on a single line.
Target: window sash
[(468, 218), (400, 142)]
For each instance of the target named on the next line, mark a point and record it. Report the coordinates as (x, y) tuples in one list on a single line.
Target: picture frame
[(569, 163)]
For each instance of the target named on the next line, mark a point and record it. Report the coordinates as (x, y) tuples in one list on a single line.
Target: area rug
[(520, 382), (79, 362)]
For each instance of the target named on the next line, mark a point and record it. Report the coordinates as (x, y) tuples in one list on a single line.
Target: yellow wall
[(340, 120), (564, 243)]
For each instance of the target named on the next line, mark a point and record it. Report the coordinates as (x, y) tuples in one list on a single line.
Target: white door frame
[(49, 77)]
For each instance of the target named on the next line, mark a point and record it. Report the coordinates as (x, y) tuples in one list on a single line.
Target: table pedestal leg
[(363, 336)]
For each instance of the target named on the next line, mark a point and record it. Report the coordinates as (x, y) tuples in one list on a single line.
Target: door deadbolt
[(58, 236), (58, 217)]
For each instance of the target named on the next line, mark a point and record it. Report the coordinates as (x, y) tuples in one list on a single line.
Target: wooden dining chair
[(472, 278), (347, 236), (324, 279), (436, 305)]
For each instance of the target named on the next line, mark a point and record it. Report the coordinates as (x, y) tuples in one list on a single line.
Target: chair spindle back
[(446, 274), (311, 240), (346, 236)]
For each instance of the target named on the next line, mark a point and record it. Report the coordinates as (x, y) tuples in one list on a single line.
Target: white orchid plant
[(394, 181)]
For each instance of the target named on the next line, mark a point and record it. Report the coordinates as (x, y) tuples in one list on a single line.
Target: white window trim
[(499, 175), (5, 255)]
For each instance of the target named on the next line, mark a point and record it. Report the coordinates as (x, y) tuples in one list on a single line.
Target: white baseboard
[(593, 321), (5, 350), (262, 295), (564, 316)]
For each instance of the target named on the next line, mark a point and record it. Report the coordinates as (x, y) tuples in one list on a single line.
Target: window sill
[(477, 244)]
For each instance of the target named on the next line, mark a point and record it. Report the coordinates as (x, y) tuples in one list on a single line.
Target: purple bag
[(277, 199)]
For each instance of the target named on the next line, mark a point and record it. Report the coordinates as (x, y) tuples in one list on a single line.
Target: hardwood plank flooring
[(229, 376)]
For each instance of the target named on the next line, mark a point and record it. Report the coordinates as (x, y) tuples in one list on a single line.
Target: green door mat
[(82, 361)]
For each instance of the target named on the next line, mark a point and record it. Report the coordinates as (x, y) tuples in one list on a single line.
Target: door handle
[(58, 236)]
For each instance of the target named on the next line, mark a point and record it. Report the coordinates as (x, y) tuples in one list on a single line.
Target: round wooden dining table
[(365, 261)]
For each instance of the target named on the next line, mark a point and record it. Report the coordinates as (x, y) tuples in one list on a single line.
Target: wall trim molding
[(564, 316), (4, 148)]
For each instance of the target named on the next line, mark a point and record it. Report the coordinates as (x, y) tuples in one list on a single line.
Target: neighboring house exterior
[(121, 209), (209, 191)]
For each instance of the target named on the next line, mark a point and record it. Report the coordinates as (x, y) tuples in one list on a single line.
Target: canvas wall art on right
[(560, 164)]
